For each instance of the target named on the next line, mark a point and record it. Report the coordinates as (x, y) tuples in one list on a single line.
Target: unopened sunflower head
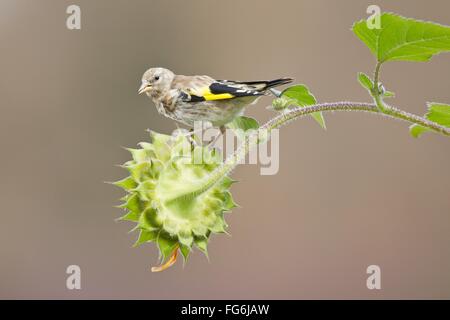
[(166, 197)]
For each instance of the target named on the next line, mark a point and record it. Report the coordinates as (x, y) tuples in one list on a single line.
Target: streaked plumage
[(201, 98)]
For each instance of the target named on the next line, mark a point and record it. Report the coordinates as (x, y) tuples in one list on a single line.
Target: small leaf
[(301, 95), (240, 126), (131, 216), (145, 236), (166, 246), (437, 112), (161, 145), (403, 39), (186, 238), (133, 203), (202, 244), (365, 81), (227, 182), (127, 184), (200, 230), (145, 189), (147, 146), (389, 94), (416, 130), (139, 172), (185, 251), (243, 123), (138, 155), (219, 226), (148, 220), (229, 203)]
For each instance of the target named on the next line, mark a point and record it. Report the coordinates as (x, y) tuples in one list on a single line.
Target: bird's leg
[(191, 138), (190, 132), (189, 135), (214, 140)]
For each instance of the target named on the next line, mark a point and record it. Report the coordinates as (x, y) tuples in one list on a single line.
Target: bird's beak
[(145, 86)]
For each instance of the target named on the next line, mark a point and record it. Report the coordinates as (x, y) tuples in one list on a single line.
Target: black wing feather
[(236, 91)]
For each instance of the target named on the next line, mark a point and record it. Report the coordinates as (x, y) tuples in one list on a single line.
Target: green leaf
[(437, 112), (301, 95), (240, 126), (403, 39), (365, 81), (243, 123), (416, 130), (389, 94)]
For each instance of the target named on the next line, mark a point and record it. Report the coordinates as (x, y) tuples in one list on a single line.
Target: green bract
[(165, 196)]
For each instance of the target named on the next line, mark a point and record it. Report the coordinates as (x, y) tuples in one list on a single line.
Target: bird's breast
[(167, 109)]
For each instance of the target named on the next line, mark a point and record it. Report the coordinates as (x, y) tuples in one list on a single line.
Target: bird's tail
[(261, 86), (277, 82)]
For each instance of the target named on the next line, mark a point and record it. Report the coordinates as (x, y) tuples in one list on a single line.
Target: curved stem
[(284, 118), (251, 141), (294, 113)]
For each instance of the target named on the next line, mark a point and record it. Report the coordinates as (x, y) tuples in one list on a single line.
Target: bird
[(187, 99)]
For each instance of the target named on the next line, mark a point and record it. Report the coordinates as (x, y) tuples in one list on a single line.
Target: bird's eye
[(156, 78)]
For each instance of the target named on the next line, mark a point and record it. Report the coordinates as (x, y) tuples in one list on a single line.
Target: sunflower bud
[(167, 199)]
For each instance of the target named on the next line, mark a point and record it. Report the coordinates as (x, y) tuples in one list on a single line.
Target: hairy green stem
[(376, 76), (376, 90), (251, 140)]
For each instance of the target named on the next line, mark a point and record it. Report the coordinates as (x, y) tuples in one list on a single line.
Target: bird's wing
[(204, 88)]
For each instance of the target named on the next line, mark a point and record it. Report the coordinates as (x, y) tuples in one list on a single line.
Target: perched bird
[(187, 99)]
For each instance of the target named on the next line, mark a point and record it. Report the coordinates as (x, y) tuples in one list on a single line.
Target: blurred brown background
[(363, 192)]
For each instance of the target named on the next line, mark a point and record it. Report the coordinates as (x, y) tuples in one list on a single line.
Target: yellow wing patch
[(206, 94), (223, 91), (220, 96)]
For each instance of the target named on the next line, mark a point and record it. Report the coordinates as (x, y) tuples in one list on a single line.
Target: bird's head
[(155, 81)]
